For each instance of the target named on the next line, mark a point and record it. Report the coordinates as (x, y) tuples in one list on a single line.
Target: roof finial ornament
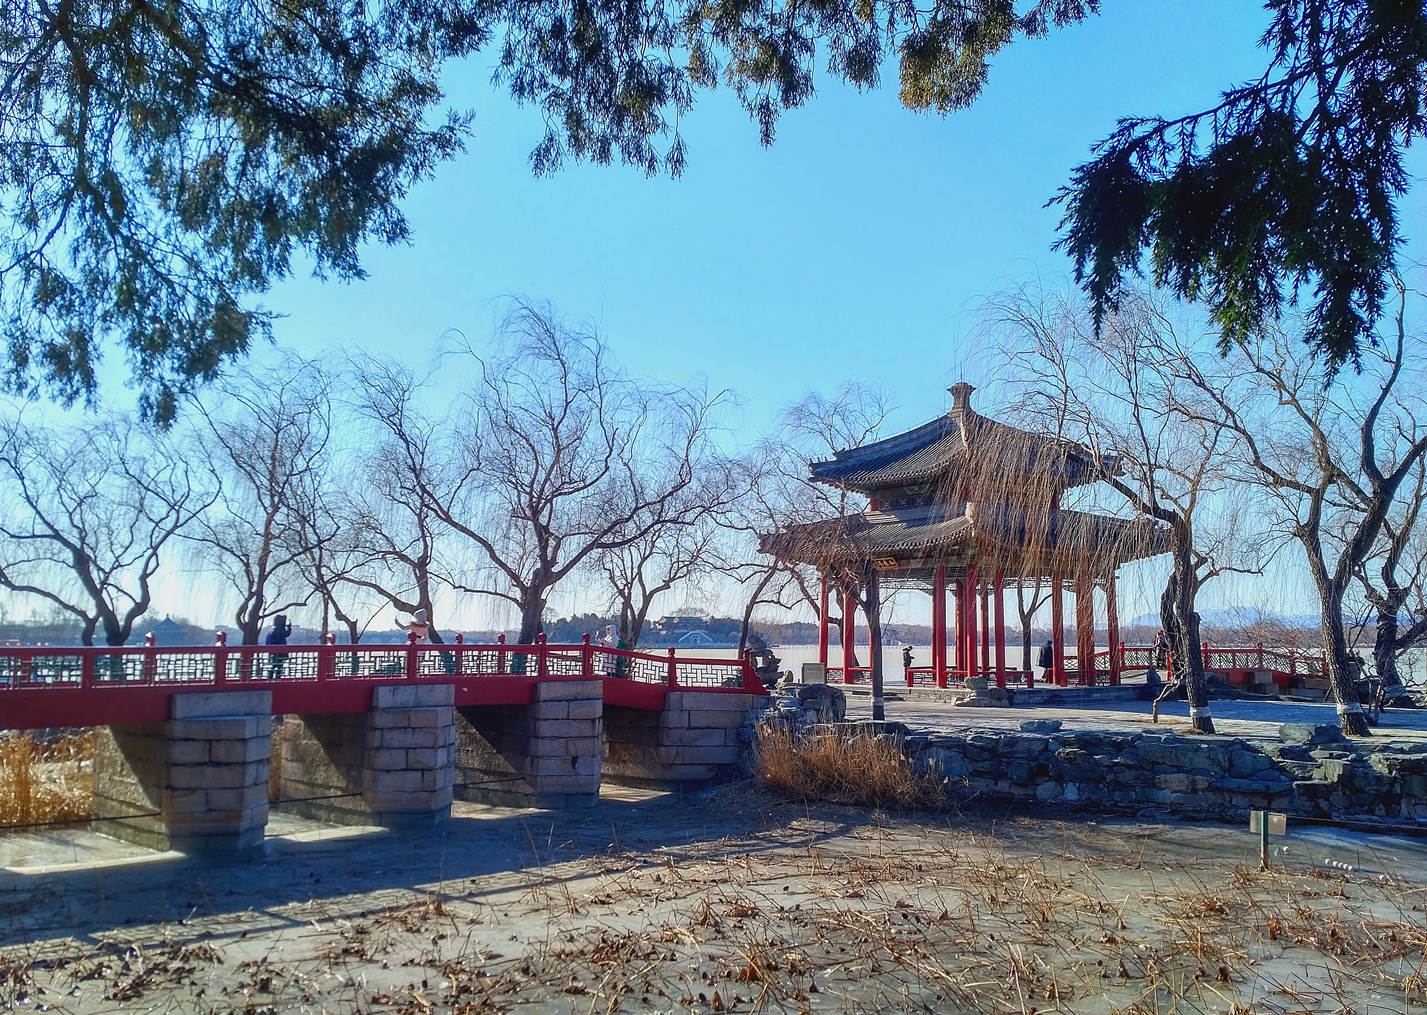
[(961, 397)]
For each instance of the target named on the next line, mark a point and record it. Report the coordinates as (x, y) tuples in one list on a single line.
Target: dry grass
[(46, 780), (865, 771)]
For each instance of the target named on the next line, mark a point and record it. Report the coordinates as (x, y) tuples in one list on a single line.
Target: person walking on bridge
[(281, 631)]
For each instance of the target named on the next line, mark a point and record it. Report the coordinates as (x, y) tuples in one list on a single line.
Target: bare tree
[(1394, 582), (264, 437), (1113, 389), (1027, 605), (87, 514), (327, 531), (398, 522), (680, 551), (780, 497), (1331, 457), (552, 455)]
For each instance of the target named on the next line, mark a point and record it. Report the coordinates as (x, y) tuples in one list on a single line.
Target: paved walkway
[(1256, 719)]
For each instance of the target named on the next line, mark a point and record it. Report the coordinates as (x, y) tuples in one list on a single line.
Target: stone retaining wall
[(1312, 771)]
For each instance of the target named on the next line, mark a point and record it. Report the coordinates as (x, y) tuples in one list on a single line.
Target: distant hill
[(1238, 617)]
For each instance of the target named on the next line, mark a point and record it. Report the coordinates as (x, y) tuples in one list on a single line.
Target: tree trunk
[(872, 609), (1335, 659), (1385, 654), (1181, 627), (532, 612)]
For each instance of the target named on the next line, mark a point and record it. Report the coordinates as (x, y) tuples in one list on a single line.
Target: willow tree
[(551, 455), (88, 514), (1113, 389), (1332, 459)]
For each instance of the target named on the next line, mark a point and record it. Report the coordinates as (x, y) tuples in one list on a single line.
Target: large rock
[(1045, 727), (1310, 733)]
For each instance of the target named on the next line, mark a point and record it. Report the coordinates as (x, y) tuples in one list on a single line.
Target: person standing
[(1159, 658), (1046, 661), (418, 626), (277, 661)]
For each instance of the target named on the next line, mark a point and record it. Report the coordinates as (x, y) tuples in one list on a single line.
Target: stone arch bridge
[(189, 757)]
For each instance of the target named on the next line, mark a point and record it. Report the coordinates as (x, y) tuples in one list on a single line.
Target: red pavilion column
[(1057, 629), (849, 634), (822, 623), (1000, 610), (1085, 628), (1112, 625), (939, 626), (968, 609), (986, 626), (959, 635)]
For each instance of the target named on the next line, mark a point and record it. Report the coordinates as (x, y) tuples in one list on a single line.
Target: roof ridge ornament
[(961, 397)]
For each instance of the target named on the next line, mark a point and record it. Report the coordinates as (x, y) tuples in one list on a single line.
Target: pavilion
[(970, 505)]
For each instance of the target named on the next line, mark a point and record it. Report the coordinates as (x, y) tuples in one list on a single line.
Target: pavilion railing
[(1132, 659)]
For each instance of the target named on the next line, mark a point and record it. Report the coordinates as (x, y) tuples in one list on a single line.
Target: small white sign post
[(1267, 823)]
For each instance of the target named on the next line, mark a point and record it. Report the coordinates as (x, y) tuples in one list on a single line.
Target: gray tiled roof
[(932, 450)]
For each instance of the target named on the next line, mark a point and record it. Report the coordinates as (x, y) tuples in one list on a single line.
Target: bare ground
[(732, 901)]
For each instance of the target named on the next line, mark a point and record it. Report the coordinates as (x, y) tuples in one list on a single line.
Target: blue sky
[(858, 245)]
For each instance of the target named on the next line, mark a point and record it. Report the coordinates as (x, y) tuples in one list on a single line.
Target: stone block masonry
[(545, 754), (392, 766), (1310, 772), (695, 739), (197, 782)]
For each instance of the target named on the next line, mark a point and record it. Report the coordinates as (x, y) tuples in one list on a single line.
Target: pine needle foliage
[(1289, 183)]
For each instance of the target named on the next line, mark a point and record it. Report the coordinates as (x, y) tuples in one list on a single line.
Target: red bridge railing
[(131, 683)]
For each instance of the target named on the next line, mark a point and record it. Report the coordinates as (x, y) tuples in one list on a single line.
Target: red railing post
[(86, 669), (587, 657), (500, 654), (542, 656), (1292, 663), (1204, 651), (327, 658), (1260, 648), (751, 680), (673, 676), (151, 662), (220, 657), (460, 653), (413, 667)]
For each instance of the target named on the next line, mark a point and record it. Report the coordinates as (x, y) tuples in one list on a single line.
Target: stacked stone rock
[(391, 766), (798, 706)]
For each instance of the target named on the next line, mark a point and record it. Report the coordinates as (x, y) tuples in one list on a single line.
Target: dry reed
[(46, 779), (866, 771)]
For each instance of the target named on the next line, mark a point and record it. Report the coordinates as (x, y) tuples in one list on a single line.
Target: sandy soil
[(729, 901)]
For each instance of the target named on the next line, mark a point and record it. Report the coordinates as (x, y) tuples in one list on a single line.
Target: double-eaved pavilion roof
[(961, 452), (964, 490)]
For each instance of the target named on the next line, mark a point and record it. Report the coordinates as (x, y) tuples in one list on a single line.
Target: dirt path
[(733, 901)]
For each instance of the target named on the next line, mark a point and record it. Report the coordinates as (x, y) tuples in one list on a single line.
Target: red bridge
[(70, 686)]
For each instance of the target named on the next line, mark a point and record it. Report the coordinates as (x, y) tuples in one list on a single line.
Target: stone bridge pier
[(391, 766), (203, 779), (197, 782)]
